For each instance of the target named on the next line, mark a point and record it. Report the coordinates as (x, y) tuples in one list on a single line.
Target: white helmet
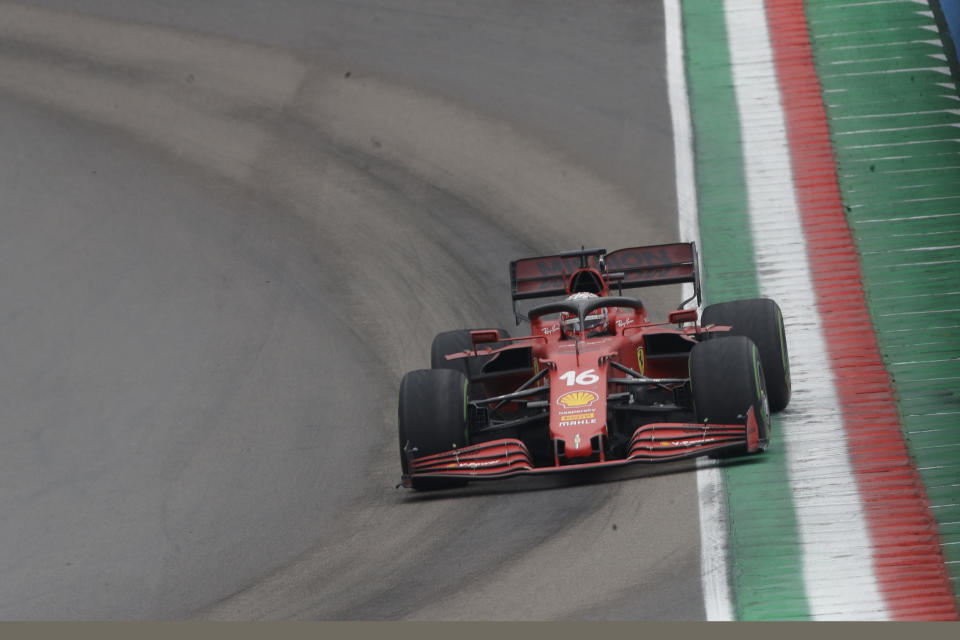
[(594, 324)]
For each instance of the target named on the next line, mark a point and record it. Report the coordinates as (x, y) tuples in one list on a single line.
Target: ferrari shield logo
[(640, 360)]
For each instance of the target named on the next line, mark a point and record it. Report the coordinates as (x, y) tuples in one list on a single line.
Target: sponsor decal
[(687, 443), (473, 465), (638, 257), (569, 418), (573, 399), (551, 330), (640, 360), (483, 463), (576, 441), (648, 263), (623, 323), (548, 271)]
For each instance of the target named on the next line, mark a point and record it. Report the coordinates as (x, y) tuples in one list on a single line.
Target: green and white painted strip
[(764, 574)]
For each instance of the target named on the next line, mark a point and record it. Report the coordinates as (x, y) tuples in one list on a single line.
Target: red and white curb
[(837, 559)]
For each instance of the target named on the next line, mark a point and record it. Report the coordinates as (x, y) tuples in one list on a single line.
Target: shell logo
[(577, 399)]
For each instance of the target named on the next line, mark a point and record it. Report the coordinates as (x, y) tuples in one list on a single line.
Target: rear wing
[(655, 265)]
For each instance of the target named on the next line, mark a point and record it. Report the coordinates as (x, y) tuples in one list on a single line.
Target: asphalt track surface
[(229, 228)]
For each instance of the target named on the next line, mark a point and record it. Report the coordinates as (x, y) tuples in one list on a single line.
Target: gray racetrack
[(230, 226)]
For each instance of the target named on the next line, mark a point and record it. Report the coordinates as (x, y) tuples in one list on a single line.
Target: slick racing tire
[(726, 378), (454, 342), (432, 418), (760, 320)]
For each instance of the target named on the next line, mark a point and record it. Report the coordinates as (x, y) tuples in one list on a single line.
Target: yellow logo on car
[(572, 416), (577, 399)]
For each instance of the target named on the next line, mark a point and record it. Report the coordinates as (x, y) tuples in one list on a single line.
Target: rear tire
[(760, 320), (726, 378), (432, 417)]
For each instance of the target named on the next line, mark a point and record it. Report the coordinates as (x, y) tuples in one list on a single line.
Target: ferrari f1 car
[(595, 383)]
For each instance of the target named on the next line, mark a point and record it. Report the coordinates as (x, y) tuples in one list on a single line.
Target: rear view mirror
[(682, 315), (485, 336)]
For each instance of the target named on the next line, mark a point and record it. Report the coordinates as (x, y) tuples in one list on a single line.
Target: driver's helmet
[(595, 323)]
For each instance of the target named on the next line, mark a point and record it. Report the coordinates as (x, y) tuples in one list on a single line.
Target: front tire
[(727, 379), (761, 320), (432, 418)]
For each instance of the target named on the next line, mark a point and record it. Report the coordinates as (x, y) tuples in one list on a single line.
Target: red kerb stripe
[(906, 546)]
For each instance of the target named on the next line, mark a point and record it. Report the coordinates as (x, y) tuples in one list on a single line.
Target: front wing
[(655, 442)]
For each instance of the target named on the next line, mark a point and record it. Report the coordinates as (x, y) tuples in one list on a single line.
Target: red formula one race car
[(595, 383)]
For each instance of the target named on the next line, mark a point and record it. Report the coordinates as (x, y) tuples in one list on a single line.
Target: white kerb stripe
[(837, 559)]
